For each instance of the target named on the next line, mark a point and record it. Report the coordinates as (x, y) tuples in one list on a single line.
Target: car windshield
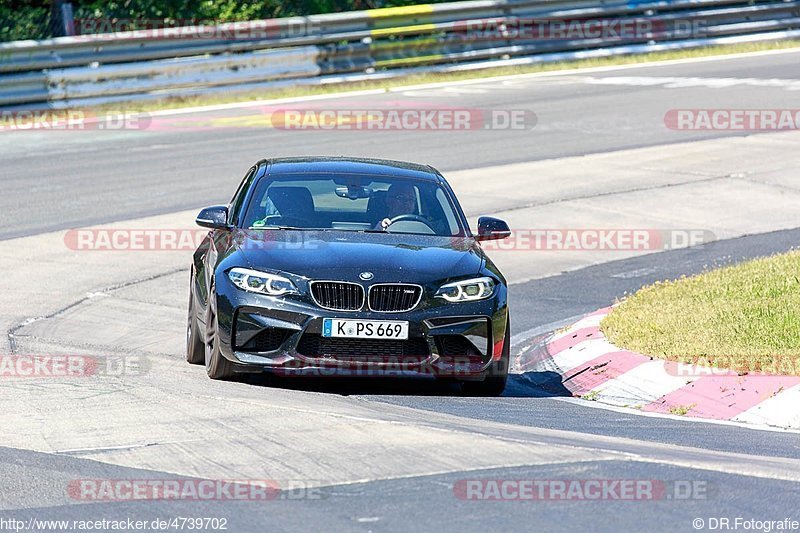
[(352, 203)]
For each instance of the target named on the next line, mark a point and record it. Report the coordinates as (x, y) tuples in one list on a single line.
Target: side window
[(238, 198), (448, 213)]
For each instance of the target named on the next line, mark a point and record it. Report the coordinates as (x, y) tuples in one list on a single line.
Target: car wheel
[(195, 349), (497, 374), (217, 367)]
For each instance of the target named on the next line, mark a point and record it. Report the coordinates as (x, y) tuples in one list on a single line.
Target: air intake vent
[(338, 295), (455, 345), (268, 340), (413, 350), (394, 297)]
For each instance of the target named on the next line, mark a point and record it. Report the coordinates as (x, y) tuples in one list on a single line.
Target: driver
[(400, 200)]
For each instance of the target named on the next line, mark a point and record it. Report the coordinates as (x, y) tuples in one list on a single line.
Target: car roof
[(350, 165)]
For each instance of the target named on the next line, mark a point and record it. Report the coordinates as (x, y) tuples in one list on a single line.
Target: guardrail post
[(62, 19)]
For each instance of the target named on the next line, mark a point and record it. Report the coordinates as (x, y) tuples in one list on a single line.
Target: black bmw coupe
[(325, 266)]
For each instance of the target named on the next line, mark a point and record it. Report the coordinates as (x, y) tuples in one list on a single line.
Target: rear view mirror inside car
[(353, 193)]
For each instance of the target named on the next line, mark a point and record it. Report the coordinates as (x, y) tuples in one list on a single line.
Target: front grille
[(338, 295), (450, 345), (267, 340), (375, 350), (394, 297)]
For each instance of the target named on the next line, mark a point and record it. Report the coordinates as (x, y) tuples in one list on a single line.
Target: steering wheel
[(410, 218)]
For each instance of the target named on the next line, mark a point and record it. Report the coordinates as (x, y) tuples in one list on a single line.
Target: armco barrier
[(360, 45), (131, 78)]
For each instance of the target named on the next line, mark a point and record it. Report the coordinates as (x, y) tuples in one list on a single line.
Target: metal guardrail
[(345, 46)]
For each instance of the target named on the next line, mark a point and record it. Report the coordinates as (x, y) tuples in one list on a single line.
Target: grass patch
[(591, 396), (745, 317), (681, 410), (413, 79)]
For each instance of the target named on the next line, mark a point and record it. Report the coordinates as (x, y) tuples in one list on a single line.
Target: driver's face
[(401, 202)]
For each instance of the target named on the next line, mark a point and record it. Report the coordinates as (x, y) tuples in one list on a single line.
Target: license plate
[(365, 329)]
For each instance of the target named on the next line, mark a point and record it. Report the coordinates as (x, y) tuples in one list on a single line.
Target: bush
[(24, 20), (29, 19)]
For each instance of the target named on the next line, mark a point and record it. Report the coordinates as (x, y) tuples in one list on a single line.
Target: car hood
[(344, 255)]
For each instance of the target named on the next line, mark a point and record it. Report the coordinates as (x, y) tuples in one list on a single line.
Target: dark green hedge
[(29, 19)]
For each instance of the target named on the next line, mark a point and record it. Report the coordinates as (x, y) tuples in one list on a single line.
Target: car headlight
[(261, 282), (468, 290)]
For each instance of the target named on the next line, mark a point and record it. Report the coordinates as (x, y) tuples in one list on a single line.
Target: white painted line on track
[(255, 103), (636, 412), (683, 82), (472, 81), (608, 68)]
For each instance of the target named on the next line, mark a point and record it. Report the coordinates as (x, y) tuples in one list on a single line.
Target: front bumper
[(284, 336)]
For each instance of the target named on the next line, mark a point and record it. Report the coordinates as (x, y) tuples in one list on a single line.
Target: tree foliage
[(32, 19)]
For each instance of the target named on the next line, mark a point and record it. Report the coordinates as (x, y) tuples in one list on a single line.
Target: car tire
[(217, 367), (195, 349), (497, 374)]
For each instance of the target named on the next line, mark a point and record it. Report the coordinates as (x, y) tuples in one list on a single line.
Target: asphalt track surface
[(52, 182), (75, 179)]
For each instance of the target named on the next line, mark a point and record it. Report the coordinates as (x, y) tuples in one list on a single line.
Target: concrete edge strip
[(594, 369), (437, 85)]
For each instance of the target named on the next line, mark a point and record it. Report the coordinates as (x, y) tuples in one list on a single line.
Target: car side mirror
[(214, 217), (490, 229)]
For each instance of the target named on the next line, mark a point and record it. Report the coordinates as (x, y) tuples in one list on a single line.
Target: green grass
[(591, 396), (299, 90), (745, 317), (682, 410)]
